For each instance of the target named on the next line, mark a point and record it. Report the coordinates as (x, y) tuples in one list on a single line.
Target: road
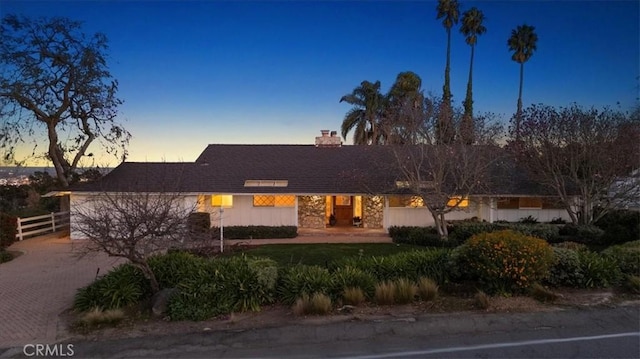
[(574, 333)]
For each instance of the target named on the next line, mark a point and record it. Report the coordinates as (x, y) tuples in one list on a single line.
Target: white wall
[(76, 202), (421, 217), (243, 213), (543, 215)]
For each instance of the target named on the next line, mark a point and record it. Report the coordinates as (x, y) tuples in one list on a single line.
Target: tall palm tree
[(403, 109), (449, 12), (364, 117), (522, 42), (471, 28)]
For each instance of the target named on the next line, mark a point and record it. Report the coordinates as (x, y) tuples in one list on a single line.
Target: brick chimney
[(328, 139)]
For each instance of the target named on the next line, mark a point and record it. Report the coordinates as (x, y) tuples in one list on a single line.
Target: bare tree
[(55, 85), (444, 175), (133, 225), (589, 153)]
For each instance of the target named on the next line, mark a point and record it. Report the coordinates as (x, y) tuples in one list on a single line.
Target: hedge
[(257, 232)]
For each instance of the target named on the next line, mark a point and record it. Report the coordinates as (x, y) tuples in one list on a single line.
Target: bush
[(566, 269), (300, 280), (506, 260), (224, 285), (542, 294), (317, 304), (529, 220), (413, 265), (599, 271), (350, 277), (462, 231), (620, 226), (558, 220), (8, 230), (405, 291), (353, 296), (123, 286), (257, 232), (465, 230), (5, 256), (481, 300), (632, 284), (172, 268), (199, 224), (627, 256), (420, 236), (385, 293), (427, 289), (582, 234)]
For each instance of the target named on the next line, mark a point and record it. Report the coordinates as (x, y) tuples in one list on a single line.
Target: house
[(307, 185)]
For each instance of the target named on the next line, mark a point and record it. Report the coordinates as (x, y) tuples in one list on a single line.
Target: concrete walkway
[(36, 287)]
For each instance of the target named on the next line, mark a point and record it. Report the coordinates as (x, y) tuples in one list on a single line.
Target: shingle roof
[(307, 168)]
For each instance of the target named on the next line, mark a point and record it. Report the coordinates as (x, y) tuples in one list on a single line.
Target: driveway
[(36, 287)]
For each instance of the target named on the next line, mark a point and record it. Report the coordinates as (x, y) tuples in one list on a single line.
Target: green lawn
[(322, 254)]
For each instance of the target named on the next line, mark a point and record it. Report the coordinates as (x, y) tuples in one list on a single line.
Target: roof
[(307, 169)]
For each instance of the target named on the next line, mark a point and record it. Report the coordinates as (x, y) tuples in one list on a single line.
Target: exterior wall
[(243, 213), (311, 211), (543, 215), (373, 211), (82, 202), (421, 217)]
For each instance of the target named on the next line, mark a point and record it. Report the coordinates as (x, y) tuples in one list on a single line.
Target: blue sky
[(198, 72)]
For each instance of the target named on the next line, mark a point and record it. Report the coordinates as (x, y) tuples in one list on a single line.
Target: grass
[(323, 254)]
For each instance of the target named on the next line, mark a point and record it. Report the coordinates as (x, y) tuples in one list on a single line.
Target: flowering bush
[(505, 261)]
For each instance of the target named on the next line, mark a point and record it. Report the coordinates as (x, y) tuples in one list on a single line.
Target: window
[(266, 183), (508, 203), (406, 201), (343, 200), (530, 202), (222, 200), (274, 201), (464, 202)]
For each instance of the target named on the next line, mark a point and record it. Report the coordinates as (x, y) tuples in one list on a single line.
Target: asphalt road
[(575, 333)]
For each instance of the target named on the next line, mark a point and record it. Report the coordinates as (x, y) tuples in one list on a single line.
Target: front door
[(343, 210)]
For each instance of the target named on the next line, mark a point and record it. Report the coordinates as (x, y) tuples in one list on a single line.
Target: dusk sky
[(198, 72)]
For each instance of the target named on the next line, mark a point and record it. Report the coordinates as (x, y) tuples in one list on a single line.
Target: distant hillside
[(14, 172)]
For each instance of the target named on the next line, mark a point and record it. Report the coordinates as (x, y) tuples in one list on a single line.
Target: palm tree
[(403, 109), (364, 117), (449, 11), (471, 28), (523, 43)]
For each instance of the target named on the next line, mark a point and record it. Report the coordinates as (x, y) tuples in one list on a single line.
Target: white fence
[(42, 224)]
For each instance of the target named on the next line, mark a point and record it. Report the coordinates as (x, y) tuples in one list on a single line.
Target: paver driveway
[(39, 285)]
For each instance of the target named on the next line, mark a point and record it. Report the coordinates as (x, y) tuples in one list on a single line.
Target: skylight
[(266, 183)]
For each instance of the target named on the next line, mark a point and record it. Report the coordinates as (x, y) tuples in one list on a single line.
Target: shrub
[(572, 245), (385, 293), (199, 224), (8, 230), (465, 230), (620, 226), (542, 294), (427, 289), (529, 220), (633, 284), (5, 256), (175, 266), (462, 231), (122, 286), (353, 296), (582, 234), (223, 285), (506, 260), (317, 304), (99, 317), (420, 236), (566, 269), (405, 291), (257, 232), (599, 271), (299, 280), (350, 277), (558, 220), (481, 300), (627, 256), (413, 265)]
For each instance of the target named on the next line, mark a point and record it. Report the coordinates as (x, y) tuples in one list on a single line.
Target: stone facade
[(372, 211), (311, 211)]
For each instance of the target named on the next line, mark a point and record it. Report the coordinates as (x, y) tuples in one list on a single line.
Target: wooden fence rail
[(42, 224)]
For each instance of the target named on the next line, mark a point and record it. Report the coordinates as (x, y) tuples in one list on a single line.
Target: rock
[(347, 309), (160, 301)]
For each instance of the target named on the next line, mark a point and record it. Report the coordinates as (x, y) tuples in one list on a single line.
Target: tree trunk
[(440, 223), (519, 109), (447, 86), (54, 154), (148, 273)]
